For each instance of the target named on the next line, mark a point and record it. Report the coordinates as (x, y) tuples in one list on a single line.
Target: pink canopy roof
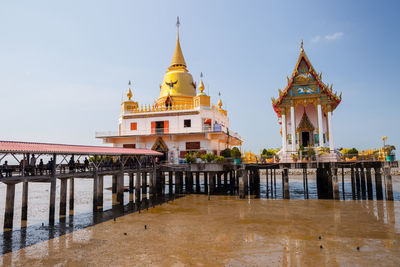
[(27, 147)]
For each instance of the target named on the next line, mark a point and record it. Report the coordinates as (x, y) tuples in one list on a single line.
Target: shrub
[(190, 157), (269, 152), (226, 153), (219, 159), (236, 153), (208, 157), (347, 151)]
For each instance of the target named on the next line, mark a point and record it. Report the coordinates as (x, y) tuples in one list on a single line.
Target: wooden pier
[(148, 179)]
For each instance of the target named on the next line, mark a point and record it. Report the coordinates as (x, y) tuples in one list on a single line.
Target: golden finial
[(201, 85), (287, 77), (129, 94), (331, 87), (301, 47), (280, 91), (219, 101)]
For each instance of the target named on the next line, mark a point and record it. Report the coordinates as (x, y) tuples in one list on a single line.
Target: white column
[(331, 147), (320, 126), (284, 142), (293, 128)]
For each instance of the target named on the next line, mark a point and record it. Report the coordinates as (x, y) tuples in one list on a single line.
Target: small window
[(187, 123), (129, 145), (133, 126), (192, 145)]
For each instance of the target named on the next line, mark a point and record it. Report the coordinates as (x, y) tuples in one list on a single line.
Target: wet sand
[(228, 231)]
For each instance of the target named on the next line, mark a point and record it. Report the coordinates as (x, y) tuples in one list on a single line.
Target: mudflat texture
[(233, 232)]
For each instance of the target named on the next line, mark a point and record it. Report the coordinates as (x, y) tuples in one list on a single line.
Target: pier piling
[(388, 183), (9, 210), (285, 183), (378, 183), (369, 183)]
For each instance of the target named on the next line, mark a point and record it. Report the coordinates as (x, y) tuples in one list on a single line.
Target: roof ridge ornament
[(301, 46)]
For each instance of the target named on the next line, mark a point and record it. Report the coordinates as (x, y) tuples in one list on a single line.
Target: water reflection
[(21, 238)]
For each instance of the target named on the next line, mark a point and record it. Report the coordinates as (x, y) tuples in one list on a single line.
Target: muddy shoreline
[(228, 231)]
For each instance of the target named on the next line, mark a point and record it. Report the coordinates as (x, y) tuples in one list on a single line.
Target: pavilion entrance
[(305, 130), (160, 146), (305, 139)]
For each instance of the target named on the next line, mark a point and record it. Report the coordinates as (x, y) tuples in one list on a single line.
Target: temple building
[(305, 108), (181, 120)]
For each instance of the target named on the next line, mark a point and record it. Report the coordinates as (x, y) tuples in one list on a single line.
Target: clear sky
[(64, 65)]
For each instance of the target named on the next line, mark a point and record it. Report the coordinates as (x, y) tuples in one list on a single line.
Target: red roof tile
[(27, 147)]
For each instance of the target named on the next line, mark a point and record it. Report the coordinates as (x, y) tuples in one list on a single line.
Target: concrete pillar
[(284, 142), (197, 182), (144, 185), (205, 178), (137, 187), (71, 196), (100, 190), (170, 182), (63, 197), (369, 183), (95, 190), (363, 185), (388, 183), (212, 182), (353, 186), (225, 179), (293, 127), (230, 173), (9, 210), (358, 183), (114, 184), (285, 183), (243, 180), (190, 182), (257, 182), (158, 182), (131, 183), (178, 182), (320, 126), (335, 184), (151, 182), (378, 183), (24, 212), (120, 188), (331, 146), (52, 208)]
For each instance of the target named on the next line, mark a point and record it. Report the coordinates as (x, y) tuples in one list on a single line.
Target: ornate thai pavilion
[(181, 120), (305, 108)]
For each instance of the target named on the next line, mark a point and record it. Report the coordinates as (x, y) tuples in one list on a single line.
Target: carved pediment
[(305, 124)]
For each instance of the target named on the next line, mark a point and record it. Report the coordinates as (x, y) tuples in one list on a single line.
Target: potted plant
[(294, 157), (237, 155), (389, 152)]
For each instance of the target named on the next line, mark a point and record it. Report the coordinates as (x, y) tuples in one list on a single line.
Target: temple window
[(133, 126), (187, 123)]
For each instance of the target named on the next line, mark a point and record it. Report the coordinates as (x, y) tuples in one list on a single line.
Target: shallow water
[(229, 231), (375, 216)]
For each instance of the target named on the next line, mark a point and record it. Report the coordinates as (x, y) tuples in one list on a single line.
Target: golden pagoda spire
[(129, 94), (178, 60)]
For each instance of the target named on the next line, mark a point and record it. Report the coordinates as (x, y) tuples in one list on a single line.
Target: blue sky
[(64, 65)]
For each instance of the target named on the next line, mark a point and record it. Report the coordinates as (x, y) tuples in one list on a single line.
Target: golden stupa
[(177, 86)]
